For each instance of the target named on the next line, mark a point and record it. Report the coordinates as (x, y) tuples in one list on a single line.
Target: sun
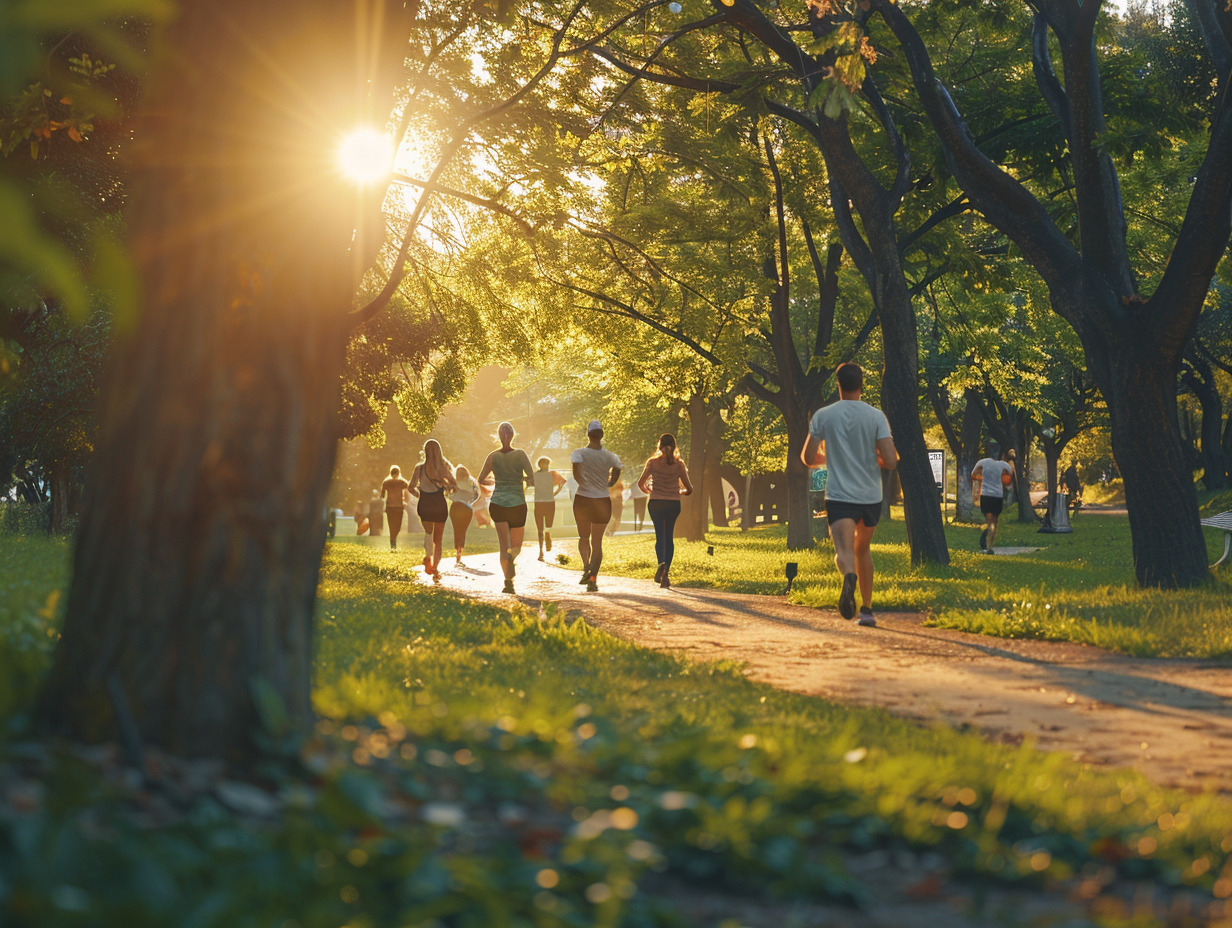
[(365, 155)]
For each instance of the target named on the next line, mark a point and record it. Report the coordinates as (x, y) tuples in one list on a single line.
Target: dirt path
[(1169, 719)]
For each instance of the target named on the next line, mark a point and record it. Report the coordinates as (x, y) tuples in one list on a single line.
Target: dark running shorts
[(514, 515), (992, 505), (432, 508), (547, 511), (594, 511), (868, 513)]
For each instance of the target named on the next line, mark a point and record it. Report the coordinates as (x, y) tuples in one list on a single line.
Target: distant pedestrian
[(548, 483), (394, 490), (1073, 485), (360, 515), (617, 493), (511, 468), (852, 439), (462, 508), (639, 497), (596, 471), (666, 479), (376, 514), (994, 477), (433, 475)]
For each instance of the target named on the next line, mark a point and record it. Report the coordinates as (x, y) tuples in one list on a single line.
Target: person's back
[(509, 468), (991, 474), (850, 430), (595, 466)]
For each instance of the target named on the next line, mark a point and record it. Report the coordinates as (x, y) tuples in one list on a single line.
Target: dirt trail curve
[(1169, 719)]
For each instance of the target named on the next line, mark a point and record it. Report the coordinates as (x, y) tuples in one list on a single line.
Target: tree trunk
[(1022, 484), (693, 522), (965, 509), (714, 486), (1140, 389), (799, 476), (196, 562), (1214, 463), (1052, 455), (746, 508)]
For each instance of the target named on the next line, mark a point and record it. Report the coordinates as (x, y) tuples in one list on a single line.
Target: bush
[(25, 518)]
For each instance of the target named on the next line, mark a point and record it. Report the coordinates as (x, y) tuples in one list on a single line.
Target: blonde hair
[(435, 466)]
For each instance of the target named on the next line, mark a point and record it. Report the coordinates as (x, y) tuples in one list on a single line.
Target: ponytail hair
[(668, 454)]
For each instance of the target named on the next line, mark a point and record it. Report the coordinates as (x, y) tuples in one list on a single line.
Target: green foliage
[(33, 574)]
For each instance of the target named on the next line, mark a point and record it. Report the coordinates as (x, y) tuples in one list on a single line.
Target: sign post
[(937, 460)]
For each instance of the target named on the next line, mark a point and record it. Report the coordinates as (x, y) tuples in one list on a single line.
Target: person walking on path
[(617, 493), (462, 508), (548, 483), (360, 515), (393, 489), (511, 468), (376, 514), (994, 477), (853, 440), (596, 471), (666, 479), (431, 478), (638, 495)]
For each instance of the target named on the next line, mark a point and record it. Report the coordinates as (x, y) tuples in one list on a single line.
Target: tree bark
[(190, 609), (693, 522), (1200, 380), (799, 477)]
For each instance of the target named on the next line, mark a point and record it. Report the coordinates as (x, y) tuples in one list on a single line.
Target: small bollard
[(791, 570), (710, 550)]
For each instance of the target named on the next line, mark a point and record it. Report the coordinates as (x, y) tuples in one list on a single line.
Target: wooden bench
[(1222, 521)]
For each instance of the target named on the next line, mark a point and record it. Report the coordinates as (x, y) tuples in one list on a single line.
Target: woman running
[(596, 470), (462, 508), (394, 489), (512, 469), (548, 483), (429, 481), (666, 479)]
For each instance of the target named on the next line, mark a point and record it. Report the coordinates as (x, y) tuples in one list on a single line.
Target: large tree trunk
[(1201, 382), (197, 557), (1022, 485), (1140, 389), (694, 508), (965, 509), (799, 507)]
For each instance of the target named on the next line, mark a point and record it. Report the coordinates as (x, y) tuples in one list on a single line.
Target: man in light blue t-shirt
[(853, 440)]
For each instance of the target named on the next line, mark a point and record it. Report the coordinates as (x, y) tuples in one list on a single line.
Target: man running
[(596, 470), (853, 440), (548, 483), (994, 476)]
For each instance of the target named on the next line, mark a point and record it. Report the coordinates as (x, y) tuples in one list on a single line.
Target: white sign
[(937, 460)]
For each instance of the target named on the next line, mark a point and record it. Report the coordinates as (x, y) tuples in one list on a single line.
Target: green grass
[(564, 775), (1077, 587)]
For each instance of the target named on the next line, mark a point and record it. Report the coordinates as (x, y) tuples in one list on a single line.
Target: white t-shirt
[(597, 464), (544, 485), (851, 430), (991, 476)]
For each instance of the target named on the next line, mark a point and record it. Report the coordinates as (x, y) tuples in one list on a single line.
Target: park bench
[(1222, 521)]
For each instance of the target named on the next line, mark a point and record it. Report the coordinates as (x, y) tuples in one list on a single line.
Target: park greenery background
[(678, 216)]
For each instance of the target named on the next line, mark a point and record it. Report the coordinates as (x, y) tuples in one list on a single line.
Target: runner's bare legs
[(843, 533), (583, 527), (864, 562)]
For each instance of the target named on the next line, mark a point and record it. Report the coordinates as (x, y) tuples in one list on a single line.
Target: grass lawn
[(476, 766), (1077, 587)]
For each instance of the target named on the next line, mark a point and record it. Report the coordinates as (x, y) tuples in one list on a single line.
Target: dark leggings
[(664, 513)]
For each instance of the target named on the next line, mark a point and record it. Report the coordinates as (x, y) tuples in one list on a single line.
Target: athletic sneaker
[(659, 572), (866, 617), (591, 585), (509, 586), (585, 577), (984, 540), (847, 599), (666, 582)]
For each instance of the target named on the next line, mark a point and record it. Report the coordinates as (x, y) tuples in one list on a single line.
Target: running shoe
[(866, 617), (585, 577), (984, 540), (659, 572), (591, 585), (509, 586), (847, 599), (666, 582)]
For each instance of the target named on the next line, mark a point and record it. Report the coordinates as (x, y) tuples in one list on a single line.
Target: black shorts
[(992, 505), (546, 511), (868, 513), (593, 510), (432, 507), (514, 515)]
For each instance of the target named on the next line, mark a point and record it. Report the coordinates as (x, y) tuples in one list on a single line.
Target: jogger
[(666, 479), (512, 469), (548, 483), (431, 478), (596, 470)]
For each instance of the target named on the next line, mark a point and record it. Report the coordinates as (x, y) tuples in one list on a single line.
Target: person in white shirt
[(994, 477), (548, 483), (596, 471), (462, 502), (853, 440)]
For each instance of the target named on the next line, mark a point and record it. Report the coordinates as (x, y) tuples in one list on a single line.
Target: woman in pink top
[(666, 479)]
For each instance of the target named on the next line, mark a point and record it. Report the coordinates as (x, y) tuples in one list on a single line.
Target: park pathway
[(1169, 719)]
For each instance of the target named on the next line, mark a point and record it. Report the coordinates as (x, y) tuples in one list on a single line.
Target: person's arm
[(642, 481), (887, 454), (813, 454), (558, 483), (384, 487), (528, 472), (614, 477), (977, 473), (414, 488), (487, 468), (684, 480)]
